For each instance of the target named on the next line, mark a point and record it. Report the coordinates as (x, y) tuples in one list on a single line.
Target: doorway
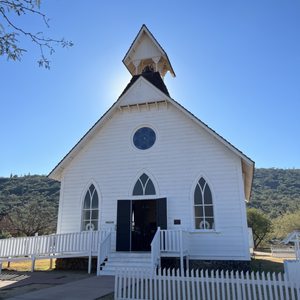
[(143, 224), (137, 222)]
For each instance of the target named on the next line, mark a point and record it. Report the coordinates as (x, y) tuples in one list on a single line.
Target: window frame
[(90, 209), (203, 205), (144, 186), (155, 142)]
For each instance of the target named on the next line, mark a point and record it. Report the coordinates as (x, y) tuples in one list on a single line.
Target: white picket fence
[(196, 285)]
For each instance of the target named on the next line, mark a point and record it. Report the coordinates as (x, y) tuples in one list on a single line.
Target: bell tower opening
[(146, 55)]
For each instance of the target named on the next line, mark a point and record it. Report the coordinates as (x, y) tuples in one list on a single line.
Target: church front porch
[(99, 244)]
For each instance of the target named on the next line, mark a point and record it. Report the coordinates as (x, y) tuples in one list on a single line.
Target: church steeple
[(145, 54)]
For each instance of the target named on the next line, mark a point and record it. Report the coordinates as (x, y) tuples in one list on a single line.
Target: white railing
[(175, 243), (155, 249), (297, 249), (103, 251), (56, 244), (170, 285), (174, 240), (170, 240), (75, 244), (185, 241)]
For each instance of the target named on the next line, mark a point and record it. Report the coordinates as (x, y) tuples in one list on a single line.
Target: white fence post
[(90, 251), (181, 252), (297, 248)]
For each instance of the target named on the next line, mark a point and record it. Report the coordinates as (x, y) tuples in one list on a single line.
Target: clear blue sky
[(237, 65)]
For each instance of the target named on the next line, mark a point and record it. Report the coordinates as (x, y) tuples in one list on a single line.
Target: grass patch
[(267, 264), (258, 263), (40, 265)]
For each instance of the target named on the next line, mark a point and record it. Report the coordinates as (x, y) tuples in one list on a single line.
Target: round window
[(144, 138)]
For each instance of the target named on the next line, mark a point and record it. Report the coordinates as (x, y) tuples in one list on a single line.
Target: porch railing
[(155, 249), (103, 251), (55, 244), (75, 244), (174, 241)]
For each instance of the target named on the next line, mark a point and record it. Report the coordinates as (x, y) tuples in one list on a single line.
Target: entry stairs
[(126, 260)]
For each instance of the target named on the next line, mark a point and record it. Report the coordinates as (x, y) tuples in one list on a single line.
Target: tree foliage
[(276, 191), (37, 216), (261, 225), (10, 32), (21, 195), (285, 224)]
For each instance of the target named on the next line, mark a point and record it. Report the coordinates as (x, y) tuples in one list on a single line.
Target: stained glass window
[(144, 138)]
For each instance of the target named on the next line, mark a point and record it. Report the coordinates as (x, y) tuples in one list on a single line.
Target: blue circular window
[(144, 138)]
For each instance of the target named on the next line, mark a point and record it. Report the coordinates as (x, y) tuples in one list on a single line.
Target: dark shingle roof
[(152, 77)]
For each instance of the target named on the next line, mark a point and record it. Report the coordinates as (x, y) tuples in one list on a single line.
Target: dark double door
[(137, 221)]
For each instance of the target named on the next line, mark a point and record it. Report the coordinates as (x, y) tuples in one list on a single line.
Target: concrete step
[(107, 272), (130, 255), (127, 260), (128, 263)]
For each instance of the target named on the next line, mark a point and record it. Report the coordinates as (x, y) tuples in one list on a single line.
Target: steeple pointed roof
[(144, 53)]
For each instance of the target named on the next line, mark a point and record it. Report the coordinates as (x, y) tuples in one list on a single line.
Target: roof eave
[(56, 172)]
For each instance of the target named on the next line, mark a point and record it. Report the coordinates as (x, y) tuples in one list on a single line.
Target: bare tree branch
[(9, 44)]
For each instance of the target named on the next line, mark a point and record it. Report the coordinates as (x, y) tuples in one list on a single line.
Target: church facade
[(149, 163)]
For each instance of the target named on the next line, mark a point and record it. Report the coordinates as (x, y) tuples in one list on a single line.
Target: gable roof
[(128, 62), (247, 163)]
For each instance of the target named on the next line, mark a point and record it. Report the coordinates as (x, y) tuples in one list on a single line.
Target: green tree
[(10, 33), (37, 216), (276, 191), (285, 224), (4, 235), (261, 225)]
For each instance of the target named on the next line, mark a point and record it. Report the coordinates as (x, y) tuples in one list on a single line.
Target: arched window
[(90, 213), (143, 186), (203, 206)]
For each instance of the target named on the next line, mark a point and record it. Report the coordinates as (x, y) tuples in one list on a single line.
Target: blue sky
[(237, 65)]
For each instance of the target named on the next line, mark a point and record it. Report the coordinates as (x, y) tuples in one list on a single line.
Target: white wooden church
[(152, 176)]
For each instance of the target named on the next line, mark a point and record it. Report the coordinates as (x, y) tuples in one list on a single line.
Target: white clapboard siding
[(181, 154), (194, 285)]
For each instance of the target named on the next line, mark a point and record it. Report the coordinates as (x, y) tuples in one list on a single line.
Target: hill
[(276, 191), (18, 191)]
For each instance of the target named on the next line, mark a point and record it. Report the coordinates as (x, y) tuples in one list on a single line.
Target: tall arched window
[(90, 213), (203, 206), (144, 186)]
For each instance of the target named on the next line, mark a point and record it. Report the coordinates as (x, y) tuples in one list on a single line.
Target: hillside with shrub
[(276, 191), (28, 205)]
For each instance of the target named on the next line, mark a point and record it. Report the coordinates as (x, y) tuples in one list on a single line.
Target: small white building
[(148, 163)]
